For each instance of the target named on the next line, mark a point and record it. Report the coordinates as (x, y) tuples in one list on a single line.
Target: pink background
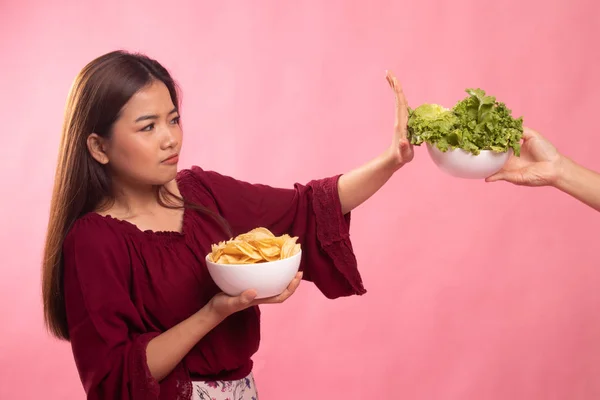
[(474, 291)]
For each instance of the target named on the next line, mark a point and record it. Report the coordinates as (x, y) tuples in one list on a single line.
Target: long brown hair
[(81, 184)]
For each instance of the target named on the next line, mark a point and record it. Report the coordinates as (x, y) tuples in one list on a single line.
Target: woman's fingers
[(243, 300), (285, 294), (529, 133)]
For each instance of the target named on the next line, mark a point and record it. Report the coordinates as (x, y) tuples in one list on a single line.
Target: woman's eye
[(175, 121), (148, 128)]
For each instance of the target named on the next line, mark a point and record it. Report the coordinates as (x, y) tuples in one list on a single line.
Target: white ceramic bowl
[(462, 164), (268, 278)]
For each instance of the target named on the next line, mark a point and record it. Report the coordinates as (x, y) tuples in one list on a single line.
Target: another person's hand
[(538, 164), (401, 151), (223, 305)]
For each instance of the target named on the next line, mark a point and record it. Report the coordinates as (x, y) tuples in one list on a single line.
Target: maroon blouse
[(124, 286)]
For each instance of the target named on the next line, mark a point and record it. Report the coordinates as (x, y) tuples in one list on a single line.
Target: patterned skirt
[(242, 389)]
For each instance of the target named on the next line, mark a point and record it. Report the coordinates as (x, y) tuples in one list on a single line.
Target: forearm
[(167, 350), (579, 182), (358, 185)]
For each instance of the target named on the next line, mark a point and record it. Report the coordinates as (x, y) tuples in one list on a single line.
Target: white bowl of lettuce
[(473, 140)]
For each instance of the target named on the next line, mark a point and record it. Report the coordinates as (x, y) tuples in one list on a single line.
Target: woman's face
[(146, 139)]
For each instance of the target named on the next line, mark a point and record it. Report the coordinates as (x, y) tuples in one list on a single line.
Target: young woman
[(124, 278), (541, 164)]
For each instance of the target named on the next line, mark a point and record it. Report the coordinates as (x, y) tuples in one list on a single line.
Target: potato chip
[(270, 249), (287, 250), (256, 234), (256, 246)]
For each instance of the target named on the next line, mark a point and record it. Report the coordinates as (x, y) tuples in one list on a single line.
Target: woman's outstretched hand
[(401, 151), (358, 185)]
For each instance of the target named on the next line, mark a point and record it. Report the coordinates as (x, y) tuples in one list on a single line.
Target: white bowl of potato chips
[(255, 260)]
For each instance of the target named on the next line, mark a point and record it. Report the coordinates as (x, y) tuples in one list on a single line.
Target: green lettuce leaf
[(476, 123)]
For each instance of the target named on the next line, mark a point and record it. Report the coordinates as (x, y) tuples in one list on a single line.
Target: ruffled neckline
[(133, 228)]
